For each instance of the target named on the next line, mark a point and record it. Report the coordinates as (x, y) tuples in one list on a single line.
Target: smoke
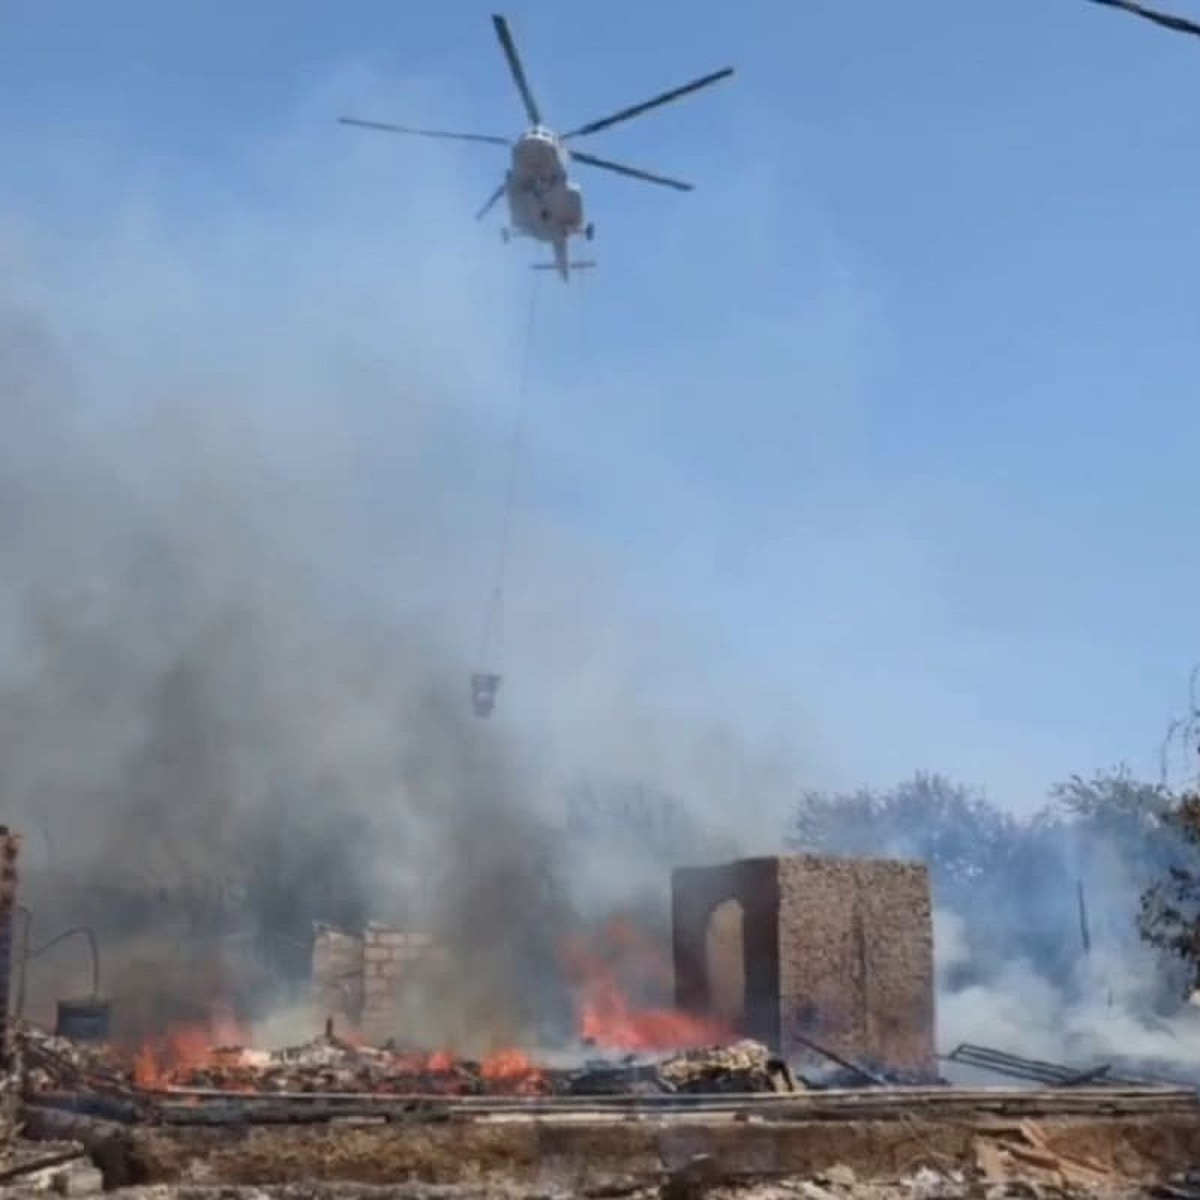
[(205, 727), (250, 494), (1025, 981), (249, 511), (1105, 1013), (1037, 947), (233, 658)]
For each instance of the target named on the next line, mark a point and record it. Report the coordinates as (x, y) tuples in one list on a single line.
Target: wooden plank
[(1031, 1098), (780, 1113)]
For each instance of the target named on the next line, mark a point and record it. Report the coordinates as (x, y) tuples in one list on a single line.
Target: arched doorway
[(725, 963)]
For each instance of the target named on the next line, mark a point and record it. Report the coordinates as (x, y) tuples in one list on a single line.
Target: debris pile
[(52, 1063), (1021, 1156), (332, 1066), (746, 1066), (9, 1097), (329, 1065)]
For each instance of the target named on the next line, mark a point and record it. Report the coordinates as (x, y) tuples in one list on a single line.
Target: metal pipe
[(23, 959), (8, 885)]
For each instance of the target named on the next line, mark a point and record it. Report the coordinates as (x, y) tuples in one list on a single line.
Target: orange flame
[(513, 1071), (220, 1041), (606, 969)]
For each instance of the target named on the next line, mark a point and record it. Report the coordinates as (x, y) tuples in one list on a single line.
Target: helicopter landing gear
[(589, 231)]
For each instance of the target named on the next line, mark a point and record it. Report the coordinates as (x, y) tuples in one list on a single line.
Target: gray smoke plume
[(1035, 931), (254, 459), (214, 733)]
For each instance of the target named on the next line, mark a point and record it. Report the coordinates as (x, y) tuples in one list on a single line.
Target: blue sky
[(873, 454)]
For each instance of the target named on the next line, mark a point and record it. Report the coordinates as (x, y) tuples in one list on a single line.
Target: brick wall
[(838, 950), (856, 959), (337, 976), (367, 981)]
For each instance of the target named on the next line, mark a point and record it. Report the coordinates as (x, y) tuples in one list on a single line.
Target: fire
[(214, 1055), (221, 1041), (611, 1022), (619, 976), (606, 970), (507, 1064)]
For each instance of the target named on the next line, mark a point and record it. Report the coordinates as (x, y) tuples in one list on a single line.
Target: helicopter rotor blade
[(518, 72), (636, 110), (633, 172), (491, 200), (429, 133), (1167, 20)]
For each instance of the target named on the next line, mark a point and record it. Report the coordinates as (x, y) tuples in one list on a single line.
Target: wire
[(492, 637), (27, 955)]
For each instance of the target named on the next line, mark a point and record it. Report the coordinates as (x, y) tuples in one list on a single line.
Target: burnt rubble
[(340, 1107), (329, 1065), (330, 1109)]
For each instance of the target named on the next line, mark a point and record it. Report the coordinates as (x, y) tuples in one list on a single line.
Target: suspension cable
[(492, 637)]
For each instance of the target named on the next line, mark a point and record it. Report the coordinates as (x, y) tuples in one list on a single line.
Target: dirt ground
[(923, 1186), (899, 1159), (592, 1155)]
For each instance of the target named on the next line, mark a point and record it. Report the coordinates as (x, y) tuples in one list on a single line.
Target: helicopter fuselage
[(543, 203)]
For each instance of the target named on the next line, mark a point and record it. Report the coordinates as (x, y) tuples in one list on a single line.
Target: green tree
[(960, 834), (1169, 918)]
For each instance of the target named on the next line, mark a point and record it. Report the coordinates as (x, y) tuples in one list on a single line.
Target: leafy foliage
[(956, 831), (1170, 907)]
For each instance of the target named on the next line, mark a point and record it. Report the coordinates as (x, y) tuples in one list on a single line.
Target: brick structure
[(365, 981), (337, 975), (839, 950)]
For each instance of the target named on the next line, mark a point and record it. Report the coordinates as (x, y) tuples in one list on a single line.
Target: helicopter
[(543, 202)]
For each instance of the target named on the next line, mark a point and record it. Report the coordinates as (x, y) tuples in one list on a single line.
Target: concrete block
[(79, 1179)]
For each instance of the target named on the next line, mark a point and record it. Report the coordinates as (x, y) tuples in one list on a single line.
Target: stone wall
[(367, 981), (837, 950)]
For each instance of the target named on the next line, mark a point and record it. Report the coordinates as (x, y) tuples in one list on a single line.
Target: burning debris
[(646, 1076), (334, 1066)]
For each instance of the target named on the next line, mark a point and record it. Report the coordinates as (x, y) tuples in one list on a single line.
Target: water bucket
[(83, 1020)]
